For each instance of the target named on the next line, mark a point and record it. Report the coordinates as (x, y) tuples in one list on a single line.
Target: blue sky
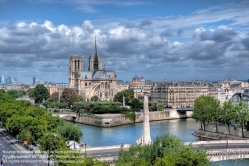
[(179, 40)]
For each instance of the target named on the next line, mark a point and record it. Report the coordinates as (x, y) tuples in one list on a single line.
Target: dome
[(135, 78)]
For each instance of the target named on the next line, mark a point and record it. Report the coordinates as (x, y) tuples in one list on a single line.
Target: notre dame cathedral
[(95, 81)]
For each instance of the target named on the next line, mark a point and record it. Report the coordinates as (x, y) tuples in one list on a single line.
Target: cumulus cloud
[(218, 36), (170, 47)]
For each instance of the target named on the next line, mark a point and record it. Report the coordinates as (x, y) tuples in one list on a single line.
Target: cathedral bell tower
[(76, 66)]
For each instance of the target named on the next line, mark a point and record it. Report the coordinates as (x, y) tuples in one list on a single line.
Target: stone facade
[(141, 86), (231, 89), (95, 81), (180, 94)]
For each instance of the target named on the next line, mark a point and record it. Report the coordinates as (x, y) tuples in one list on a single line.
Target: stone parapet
[(112, 120)]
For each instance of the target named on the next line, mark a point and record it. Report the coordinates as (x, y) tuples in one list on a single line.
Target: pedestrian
[(1, 163)]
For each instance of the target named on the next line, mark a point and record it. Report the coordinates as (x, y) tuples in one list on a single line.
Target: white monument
[(145, 139)]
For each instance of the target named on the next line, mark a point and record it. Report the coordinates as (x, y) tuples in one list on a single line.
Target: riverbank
[(113, 120), (222, 132), (215, 136)]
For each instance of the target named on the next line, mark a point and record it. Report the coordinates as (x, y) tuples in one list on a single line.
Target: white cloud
[(87, 9), (49, 25), (150, 46), (123, 33), (21, 24)]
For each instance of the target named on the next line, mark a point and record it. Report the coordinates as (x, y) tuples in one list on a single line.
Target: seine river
[(128, 134)]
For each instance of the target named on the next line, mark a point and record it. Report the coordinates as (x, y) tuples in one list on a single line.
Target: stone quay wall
[(223, 129), (222, 132), (111, 120)]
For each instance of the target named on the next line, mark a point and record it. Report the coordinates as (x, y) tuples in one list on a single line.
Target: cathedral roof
[(99, 74), (86, 74)]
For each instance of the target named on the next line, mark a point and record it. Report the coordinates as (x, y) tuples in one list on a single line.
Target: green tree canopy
[(40, 93), (205, 107), (51, 143), (128, 94), (31, 92), (69, 96), (242, 115), (165, 150), (160, 106), (70, 131), (25, 135), (54, 96), (228, 113), (16, 93), (95, 98), (136, 105)]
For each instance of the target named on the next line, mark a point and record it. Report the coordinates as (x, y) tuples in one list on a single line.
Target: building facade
[(181, 94), (141, 86), (233, 90), (95, 81)]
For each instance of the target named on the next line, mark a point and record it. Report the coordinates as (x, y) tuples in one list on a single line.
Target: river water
[(129, 134)]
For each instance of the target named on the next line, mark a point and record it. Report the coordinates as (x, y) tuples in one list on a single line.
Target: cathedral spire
[(95, 47), (96, 61)]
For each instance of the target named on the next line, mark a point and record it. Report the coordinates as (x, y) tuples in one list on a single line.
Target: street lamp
[(85, 150), (74, 141), (227, 142)]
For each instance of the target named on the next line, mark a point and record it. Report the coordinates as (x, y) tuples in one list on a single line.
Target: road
[(12, 156), (221, 146), (114, 152), (104, 152)]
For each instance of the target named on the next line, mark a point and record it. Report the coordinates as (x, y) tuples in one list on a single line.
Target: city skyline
[(159, 40)]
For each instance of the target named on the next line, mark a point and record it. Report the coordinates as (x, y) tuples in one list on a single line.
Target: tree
[(51, 143), (165, 150), (160, 107), (81, 98), (55, 96), (25, 135), (78, 107), (136, 105), (63, 105), (128, 94), (37, 126), (31, 92), (16, 93), (40, 93), (152, 106), (215, 111), (203, 107), (242, 114), (69, 96), (228, 114), (95, 98), (70, 131)]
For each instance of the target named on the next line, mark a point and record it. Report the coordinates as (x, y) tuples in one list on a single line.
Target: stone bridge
[(218, 150), (221, 149), (228, 154)]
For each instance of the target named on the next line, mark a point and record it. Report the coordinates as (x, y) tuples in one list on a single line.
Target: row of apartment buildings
[(172, 94), (183, 94)]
